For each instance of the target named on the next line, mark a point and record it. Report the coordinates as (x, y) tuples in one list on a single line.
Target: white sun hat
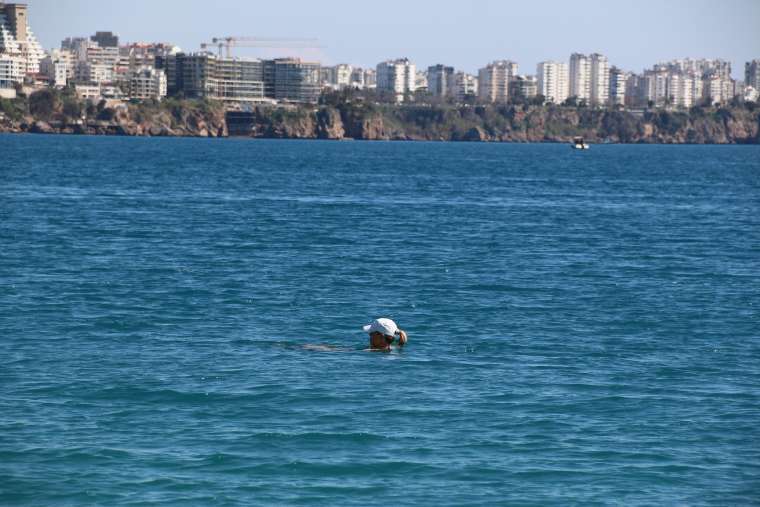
[(384, 326)]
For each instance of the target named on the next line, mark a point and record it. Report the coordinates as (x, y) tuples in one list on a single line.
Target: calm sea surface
[(584, 326)]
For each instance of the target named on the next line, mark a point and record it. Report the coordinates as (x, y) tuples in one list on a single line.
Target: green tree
[(72, 108), (43, 103), (538, 100), (571, 101)]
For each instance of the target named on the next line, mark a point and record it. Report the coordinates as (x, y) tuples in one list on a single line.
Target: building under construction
[(208, 76)]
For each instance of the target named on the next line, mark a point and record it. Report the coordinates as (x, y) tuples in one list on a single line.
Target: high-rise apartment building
[(465, 86), (752, 74), (18, 45), (553, 81), (493, 80), (440, 80), (590, 78), (701, 68), (340, 75), (11, 72), (600, 79), (580, 77), (717, 89), (617, 86), (654, 85), (397, 77), (370, 78)]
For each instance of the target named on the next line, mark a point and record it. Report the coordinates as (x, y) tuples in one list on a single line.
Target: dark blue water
[(584, 326)]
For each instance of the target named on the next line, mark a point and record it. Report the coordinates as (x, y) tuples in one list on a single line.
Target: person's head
[(381, 332)]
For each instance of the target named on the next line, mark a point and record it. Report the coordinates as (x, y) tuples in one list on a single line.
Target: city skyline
[(429, 36)]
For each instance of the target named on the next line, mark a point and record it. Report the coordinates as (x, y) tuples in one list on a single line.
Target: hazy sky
[(634, 34)]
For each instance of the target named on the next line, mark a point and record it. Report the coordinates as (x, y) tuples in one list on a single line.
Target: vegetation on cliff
[(342, 115), (61, 111)]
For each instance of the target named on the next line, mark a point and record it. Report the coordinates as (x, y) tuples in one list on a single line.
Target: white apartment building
[(102, 56), (600, 79), (146, 83), (701, 68), (11, 70), (370, 78), (553, 81), (617, 86), (665, 88), (18, 42), (590, 78), (340, 75), (397, 77), (87, 92), (420, 80), (493, 80), (718, 89), (580, 77), (98, 73), (751, 94), (56, 70), (465, 85), (656, 87), (681, 90), (92, 63)]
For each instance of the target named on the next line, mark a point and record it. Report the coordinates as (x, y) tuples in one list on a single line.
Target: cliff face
[(738, 124), (49, 111)]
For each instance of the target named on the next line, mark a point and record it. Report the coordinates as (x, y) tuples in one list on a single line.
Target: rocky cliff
[(51, 112), (56, 112), (735, 125)]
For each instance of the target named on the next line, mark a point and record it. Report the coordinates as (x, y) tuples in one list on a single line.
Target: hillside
[(50, 111)]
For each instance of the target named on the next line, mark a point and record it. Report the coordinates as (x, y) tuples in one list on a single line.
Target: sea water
[(180, 323)]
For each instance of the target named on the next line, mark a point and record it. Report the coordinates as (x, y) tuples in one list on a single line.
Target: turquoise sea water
[(584, 326)]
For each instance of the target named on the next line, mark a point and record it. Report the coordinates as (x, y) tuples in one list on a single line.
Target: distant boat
[(579, 144)]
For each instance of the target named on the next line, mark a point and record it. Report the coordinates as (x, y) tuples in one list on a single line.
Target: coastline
[(58, 113)]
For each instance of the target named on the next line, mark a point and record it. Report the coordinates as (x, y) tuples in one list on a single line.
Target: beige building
[(493, 81), (718, 89), (146, 83), (56, 69), (465, 86)]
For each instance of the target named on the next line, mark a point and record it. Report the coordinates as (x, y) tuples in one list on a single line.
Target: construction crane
[(227, 43)]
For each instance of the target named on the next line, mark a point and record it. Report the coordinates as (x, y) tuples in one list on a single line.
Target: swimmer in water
[(382, 333)]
